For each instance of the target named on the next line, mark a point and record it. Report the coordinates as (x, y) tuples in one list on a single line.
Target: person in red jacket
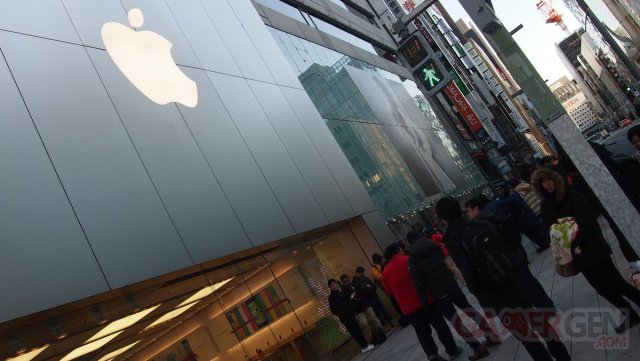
[(398, 284)]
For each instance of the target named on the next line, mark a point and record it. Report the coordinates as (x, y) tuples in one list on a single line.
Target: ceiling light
[(90, 347), (29, 355), (121, 324), (117, 352), (169, 315), (204, 292)]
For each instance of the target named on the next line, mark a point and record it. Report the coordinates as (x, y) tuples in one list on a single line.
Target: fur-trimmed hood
[(546, 173)]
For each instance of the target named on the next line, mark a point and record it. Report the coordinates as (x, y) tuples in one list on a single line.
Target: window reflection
[(369, 135)]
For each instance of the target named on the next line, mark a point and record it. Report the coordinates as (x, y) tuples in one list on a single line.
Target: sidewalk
[(567, 293)]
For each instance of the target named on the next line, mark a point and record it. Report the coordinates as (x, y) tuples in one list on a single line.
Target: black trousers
[(355, 331), (536, 235), (627, 250), (380, 311), (447, 305), (537, 350), (422, 321), (533, 289), (609, 283)]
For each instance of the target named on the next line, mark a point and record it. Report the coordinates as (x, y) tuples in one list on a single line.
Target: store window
[(268, 302)]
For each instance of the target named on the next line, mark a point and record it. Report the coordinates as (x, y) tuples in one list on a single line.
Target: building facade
[(580, 109), (595, 77), (142, 231)]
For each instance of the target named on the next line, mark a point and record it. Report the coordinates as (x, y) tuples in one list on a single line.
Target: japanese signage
[(465, 110)]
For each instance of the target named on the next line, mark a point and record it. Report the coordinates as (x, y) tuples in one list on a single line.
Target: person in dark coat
[(431, 275), (343, 305), (591, 252), (494, 301), (537, 295), (365, 316), (509, 202), (575, 181), (397, 283), (367, 290)]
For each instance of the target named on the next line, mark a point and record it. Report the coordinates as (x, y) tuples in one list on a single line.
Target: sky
[(537, 39)]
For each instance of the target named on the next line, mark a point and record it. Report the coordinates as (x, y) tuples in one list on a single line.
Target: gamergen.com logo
[(589, 325)]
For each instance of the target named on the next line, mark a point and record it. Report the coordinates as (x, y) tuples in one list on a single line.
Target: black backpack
[(492, 258)]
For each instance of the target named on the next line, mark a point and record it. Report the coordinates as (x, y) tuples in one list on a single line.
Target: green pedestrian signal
[(429, 74)]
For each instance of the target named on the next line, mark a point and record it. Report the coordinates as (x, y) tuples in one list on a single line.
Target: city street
[(567, 293)]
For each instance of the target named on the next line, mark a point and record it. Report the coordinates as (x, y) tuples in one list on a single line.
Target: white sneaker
[(368, 349)]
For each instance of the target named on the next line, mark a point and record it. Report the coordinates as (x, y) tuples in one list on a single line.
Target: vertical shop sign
[(464, 108)]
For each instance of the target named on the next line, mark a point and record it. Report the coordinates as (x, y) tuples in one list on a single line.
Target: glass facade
[(302, 16), (263, 303), (384, 137)]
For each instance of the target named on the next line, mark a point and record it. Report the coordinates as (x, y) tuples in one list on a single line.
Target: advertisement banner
[(469, 116)]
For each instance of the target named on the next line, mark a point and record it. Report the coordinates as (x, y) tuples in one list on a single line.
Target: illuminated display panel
[(413, 51), (429, 74)]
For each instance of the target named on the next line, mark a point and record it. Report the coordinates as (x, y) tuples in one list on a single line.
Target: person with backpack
[(512, 241), (343, 305), (489, 269), (431, 276), (397, 283), (367, 290), (589, 251)]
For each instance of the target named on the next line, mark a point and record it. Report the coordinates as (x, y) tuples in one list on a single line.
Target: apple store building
[(171, 189)]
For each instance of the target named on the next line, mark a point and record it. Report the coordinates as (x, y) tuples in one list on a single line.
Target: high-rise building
[(154, 211), (587, 66), (579, 108), (609, 13)]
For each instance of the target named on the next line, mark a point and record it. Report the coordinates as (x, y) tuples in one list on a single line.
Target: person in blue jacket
[(509, 204)]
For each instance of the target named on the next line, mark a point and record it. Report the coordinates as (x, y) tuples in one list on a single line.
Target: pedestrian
[(376, 269), (343, 305), (490, 274), (367, 290), (574, 180), (633, 136), (590, 251), (431, 276), (366, 317), (436, 236), (508, 202), (398, 284), (529, 195), (512, 240)]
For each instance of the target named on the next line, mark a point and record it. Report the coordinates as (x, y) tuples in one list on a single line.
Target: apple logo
[(144, 58)]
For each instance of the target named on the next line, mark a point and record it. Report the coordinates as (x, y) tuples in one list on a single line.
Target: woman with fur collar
[(591, 252)]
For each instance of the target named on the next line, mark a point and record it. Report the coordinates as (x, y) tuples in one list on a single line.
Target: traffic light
[(429, 74), (425, 65)]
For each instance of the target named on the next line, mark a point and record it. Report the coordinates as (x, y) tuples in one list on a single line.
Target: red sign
[(463, 106)]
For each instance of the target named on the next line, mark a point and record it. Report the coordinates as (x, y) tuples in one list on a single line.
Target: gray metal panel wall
[(154, 188), (38, 225), (124, 220)]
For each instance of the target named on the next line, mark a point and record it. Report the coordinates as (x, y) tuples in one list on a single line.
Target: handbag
[(562, 235)]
